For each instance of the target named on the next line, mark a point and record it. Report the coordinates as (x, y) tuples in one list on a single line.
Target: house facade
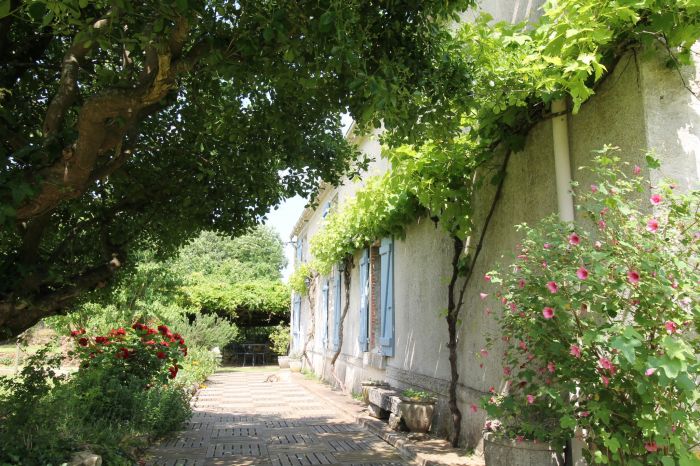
[(394, 329)]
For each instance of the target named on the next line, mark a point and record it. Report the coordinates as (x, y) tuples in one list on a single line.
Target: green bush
[(601, 327), (110, 407), (205, 330), (280, 338), (199, 364)]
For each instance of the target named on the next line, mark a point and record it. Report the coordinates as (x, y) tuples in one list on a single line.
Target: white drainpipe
[(562, 164), (565, 202)]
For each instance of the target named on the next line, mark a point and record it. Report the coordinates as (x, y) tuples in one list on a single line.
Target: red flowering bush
[(600, 325), (140, 352)]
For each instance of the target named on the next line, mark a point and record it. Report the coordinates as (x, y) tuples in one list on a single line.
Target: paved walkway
[(241, 419)]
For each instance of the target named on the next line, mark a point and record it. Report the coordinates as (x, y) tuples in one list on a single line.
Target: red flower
[(150, 331), (161, 355), (83, 341), (75, 333), (165, 343), (102, 340), (184, 350), (651, 447), (173, 371), (149, 342), (163, 329), (121, 331), (177, 336)]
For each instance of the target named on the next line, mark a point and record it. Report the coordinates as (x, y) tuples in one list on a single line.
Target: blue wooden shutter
[(337, 300), (364, 301), (324, 312), (386, 339), (299, 250), (296, 325), (326, 209)]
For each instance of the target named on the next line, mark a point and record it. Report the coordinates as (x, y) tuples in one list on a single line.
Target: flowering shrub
[(600, 325), (141, 352)]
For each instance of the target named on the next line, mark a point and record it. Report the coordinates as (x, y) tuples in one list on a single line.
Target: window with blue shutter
[(299, 250), (324, 312), (337, 301), (386, 338), (326, 209), (296, 324), (364, 301)]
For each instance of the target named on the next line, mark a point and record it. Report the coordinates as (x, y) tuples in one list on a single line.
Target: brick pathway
[(240, 419)]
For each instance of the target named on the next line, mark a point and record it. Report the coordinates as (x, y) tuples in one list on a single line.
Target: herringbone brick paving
[(240, 419)]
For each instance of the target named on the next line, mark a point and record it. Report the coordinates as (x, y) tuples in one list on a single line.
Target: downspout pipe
[(565, 204), (562, 161)]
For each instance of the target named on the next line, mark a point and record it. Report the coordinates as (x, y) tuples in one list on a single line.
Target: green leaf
[(613, 444), (181, 5), (671, 367), (567, 422), (626, 347), (83, 3), (5, 8)]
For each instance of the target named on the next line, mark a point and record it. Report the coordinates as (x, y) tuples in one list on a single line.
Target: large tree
[(126, 122)]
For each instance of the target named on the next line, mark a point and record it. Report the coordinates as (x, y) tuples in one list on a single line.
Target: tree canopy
[(130, 123), (237, 277)]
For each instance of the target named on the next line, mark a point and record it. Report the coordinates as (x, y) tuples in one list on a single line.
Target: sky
[(283, 220)]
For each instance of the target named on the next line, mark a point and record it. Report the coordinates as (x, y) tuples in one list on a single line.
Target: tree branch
[(15, 318), (102, 123)]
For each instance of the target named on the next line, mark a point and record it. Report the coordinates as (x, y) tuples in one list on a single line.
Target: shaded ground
[(241, 419)]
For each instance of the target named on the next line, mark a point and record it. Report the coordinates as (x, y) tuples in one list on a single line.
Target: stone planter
[(295, 365), (283, 362), (367, 384), (506, 452), (417, 415)]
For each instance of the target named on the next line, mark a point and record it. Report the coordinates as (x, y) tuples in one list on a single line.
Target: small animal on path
[(272, 378)]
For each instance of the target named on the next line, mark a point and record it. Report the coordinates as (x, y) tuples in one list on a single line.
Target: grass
[(11, 348), (247, 368)]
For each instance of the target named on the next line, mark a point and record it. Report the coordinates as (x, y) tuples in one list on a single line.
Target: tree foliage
[(128, 123)]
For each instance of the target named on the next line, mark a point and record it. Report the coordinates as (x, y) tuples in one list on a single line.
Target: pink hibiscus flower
[(671, 327), (530, 399), (575, 351), (637, 170), (552, 287), (649, 372), (652, 225), (548, 312), (582, 273), (651, 447), (633, 277), (574, 239), (655, 199)]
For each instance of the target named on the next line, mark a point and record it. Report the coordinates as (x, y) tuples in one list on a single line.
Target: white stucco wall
[(641, 106)]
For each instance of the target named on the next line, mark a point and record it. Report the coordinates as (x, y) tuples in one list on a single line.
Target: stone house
[(394, 330)]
